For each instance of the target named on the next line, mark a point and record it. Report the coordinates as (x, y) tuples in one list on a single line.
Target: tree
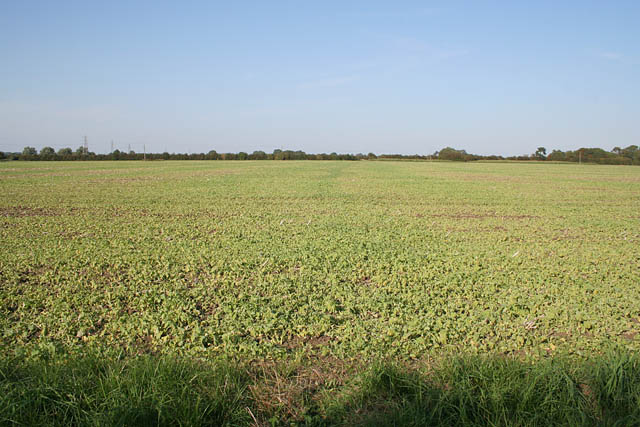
[(557, 155), (277, 154), (80, 150), (65, 151), (258, 155), (29, 151), (449, 153), (630, 151), (541, 153), (47, 151)]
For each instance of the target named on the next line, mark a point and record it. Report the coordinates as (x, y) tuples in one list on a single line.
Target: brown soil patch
[(137, 213), (475, 177), (288, 390), (483, 216), (122, 180), (366, 281), (25, 211)]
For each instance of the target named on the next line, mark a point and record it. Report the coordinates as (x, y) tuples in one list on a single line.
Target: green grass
[(142, 391), (497, 391), (325, 264), (470, 391)]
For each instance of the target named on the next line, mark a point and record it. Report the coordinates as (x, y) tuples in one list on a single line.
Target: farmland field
[(342, 259), (325, 267)]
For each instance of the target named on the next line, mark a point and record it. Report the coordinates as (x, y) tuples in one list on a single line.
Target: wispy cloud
[(329, 82), (417, 46), (449, 53), (399, 13), (610, 55)]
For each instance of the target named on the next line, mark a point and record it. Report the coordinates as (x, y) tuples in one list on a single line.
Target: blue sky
[(360, 76)]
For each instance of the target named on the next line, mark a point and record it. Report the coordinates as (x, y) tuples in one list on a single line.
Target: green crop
[(353, 260)]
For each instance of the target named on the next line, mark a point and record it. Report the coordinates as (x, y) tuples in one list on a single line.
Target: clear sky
[(346, 76)]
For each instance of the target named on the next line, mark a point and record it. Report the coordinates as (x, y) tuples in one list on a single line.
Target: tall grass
[(471, 391), (474, 392), (144, 391), (616, 385)]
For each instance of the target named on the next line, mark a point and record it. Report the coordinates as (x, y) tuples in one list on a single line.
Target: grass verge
[(474, 391)]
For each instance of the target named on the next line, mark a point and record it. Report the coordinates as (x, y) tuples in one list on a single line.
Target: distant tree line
[(618, 156), (48, 153)]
